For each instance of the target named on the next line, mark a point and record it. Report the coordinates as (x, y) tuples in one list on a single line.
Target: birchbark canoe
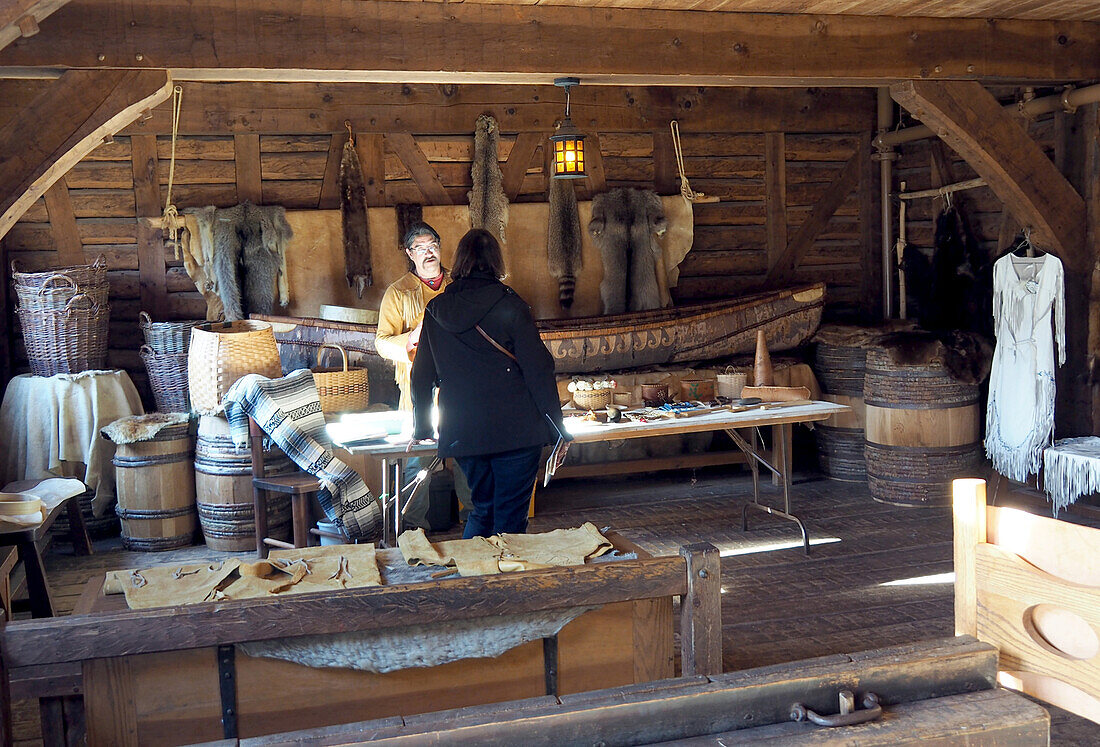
[(684, 334)]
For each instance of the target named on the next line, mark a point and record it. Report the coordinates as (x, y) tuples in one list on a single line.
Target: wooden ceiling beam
[(20, 18), (525, 44), (65, 123), (970, 120)]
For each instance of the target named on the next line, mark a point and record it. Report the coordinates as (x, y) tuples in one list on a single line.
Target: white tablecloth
[(48, 425)]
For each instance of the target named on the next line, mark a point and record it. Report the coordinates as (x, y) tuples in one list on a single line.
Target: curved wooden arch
[(21, 17), (65, 123)]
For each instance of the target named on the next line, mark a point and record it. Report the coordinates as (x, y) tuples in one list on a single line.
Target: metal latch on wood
[(848, 715)]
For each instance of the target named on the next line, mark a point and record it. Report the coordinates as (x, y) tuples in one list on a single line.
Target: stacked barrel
[(839, 362)]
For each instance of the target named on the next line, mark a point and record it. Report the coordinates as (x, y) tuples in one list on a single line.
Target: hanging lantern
[(567, 141)]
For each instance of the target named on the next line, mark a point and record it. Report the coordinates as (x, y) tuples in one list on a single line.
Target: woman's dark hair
[(478, 251)]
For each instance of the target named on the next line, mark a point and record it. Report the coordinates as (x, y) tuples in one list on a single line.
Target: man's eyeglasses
[(425, 248)]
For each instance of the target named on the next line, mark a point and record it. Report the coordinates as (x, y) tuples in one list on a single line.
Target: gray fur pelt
[(249, 244), (625, 225), (353, 211), (563, 243), (488, 203)]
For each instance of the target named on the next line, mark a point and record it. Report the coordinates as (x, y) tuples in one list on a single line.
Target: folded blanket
[(288, 410)]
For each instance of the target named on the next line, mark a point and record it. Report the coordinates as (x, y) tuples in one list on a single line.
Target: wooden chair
[(300, 486)]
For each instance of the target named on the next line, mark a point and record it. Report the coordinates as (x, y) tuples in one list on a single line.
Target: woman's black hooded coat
[(488, 403)]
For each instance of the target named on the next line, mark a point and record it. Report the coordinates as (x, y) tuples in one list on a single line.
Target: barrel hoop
[(134, 462), (916, 405), (152, 514), (834, 432), (158, 543), (923, 450)]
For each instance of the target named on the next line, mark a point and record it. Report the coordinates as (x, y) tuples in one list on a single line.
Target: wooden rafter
[(421, 169), (970, 120), (515, 168), (405, 42), (65, 123), (834, 195), (20, 18)]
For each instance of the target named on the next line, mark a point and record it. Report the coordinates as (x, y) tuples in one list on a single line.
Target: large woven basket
[(167, 379), (592, 399), (167, 338), (222, 352), (341, 389), (69, 340), (41, 290)]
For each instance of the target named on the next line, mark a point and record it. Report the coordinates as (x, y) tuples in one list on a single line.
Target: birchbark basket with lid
[(222, 352), (345, 389)]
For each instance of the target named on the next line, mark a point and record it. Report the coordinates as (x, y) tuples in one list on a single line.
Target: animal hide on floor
[(966, 355), (488, 203), (563, 244), (625, 225), (247, 250), (353, 211)]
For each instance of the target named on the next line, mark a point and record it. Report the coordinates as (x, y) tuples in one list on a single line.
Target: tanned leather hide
[(488, 203), (563, 243), (353, 210), (625, 225)]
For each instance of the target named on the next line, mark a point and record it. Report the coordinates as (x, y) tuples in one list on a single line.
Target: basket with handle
[(167, 379), (592, 399), (167, 338), (53, 294), (222, 352), (341, 389), (88, 279), (68, 340), (731, 382)]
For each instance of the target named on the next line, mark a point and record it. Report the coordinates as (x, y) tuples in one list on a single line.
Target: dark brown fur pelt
[(563, 243), (265, 236), (227, 259), (625, 225), (488, 203), (966, 355), (408, 215), (353, 212)]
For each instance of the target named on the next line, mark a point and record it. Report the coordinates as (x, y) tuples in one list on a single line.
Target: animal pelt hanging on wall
[(563, 243), (408, 215), (249, 252), (625, 225), (353, 213), (488, 203)]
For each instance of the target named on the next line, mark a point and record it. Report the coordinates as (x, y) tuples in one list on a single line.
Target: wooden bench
[(116, 648)]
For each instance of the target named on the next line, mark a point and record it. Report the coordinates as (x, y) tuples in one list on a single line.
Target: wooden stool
[(300, 486)]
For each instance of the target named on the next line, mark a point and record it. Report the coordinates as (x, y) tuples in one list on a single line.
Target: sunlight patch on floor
[(935, 578), (747, 549)]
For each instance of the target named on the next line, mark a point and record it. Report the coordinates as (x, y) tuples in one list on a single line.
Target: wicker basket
[(592, 399), (168, 380), (222, 352), (90, 280), (167, 338), (731, 383), (70, 340), (341, 389)]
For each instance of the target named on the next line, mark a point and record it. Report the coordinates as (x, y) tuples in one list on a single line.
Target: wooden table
[(393, 455), (26, 541)]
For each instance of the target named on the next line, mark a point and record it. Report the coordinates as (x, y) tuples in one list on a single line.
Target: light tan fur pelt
[(625, 225), (563, 242), (353, 214), (488, 203)]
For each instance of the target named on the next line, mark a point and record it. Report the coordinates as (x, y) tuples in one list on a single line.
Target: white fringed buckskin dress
[(1027, 291)]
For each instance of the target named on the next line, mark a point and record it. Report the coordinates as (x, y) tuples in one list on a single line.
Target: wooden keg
[(223, 486), (923, 431), (155, 481), (839, 363)]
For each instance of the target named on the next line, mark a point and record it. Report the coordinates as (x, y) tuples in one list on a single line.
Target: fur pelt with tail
[(353, 212), (488, 203), (227, 259), (264, 239), (563, 243), (625, 225)]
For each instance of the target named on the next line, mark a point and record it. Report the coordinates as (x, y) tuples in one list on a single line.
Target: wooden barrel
[(223, 486), (923, 431), (155, 480), (840, 439)]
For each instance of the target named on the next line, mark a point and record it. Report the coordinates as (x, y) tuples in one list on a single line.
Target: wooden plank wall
[(767, 181)]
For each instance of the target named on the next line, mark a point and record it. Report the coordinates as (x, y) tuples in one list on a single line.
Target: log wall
[(769, 155)]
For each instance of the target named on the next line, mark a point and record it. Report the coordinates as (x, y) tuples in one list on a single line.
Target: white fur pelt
[(488, 203), (625, 225), (563, 243), (249, 258), (353, 212)]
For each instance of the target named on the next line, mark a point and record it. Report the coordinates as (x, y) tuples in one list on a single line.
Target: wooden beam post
[(775, 194), (870, 224), (150, 241), (969, 529), (519, 159), (372, 160), (423, 174), (330, 182), (63, 124), (666, 178), (597, 177), (246, 154), (701, 611), (59, 207), (974, 124)]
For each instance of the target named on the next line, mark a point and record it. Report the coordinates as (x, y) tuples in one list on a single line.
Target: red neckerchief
[(435, 284)]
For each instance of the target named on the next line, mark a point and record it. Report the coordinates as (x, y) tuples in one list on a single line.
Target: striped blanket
[(288, 410)]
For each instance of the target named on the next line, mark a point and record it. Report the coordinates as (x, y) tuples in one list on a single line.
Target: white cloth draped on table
[(49, 424), (1071, 469), (1027, 292)]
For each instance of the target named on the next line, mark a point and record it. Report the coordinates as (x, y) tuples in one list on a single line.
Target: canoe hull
[(592, 344)]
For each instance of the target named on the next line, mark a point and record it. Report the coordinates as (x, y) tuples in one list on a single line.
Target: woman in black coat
[(497, 407)]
